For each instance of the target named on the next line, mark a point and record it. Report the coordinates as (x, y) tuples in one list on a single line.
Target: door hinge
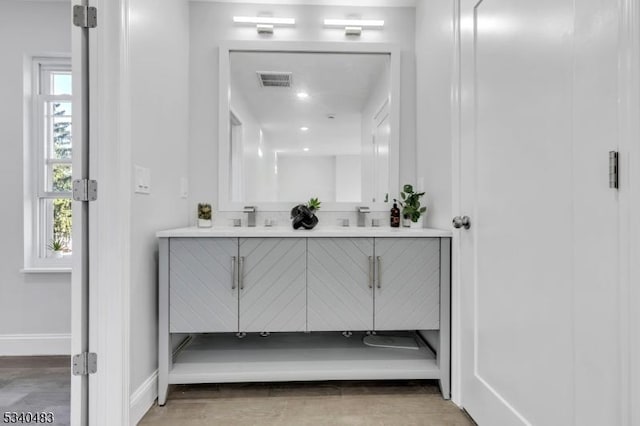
[(85, 16), (613, 169), (85, 363), (85, 190)]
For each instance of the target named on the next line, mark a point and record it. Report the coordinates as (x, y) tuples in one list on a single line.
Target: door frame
[(109, 227), (79, 399), (456, 189), (629, 198)]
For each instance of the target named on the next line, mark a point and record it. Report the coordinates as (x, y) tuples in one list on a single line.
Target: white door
[(538, 266), (340, 284), (272, 284), (407, 280)]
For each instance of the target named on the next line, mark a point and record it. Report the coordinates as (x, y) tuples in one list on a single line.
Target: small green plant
[(204, 211), (410, 203), (314, 204), (56, 244)]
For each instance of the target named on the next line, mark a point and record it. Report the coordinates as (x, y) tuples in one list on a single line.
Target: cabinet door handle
[(241, 273), (379, 259), (233, 272), (370, 271)]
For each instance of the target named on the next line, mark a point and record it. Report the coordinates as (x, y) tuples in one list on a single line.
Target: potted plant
[(411, 209), (56, 246), (304, 216), (204, 215)]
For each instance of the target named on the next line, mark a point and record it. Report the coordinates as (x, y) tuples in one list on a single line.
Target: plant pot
[(406, 223), (57, 254), (205, 223), (419, 224)]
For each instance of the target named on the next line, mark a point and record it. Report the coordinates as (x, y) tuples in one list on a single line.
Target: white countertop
[(319, 232)]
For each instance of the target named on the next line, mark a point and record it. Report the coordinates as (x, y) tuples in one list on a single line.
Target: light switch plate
[(142, 180)]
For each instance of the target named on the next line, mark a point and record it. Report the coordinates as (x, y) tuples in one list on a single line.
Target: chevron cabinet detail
[(202, 297), (407, 284), (273, 295), (339, 284)]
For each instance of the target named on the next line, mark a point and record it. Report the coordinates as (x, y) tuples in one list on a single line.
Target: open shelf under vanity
[(224, 358)]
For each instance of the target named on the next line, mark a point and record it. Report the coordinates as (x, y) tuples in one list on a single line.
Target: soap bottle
[(395, 215)]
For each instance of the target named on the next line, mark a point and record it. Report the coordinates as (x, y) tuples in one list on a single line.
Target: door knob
[(462, 222)]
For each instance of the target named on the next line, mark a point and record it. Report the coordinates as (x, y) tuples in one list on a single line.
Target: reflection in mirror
[(309, 125)]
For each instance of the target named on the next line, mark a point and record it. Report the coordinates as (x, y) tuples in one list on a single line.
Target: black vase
[(303, 217)]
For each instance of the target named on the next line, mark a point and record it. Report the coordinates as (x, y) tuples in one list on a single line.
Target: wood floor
[(325, 403), (36, 384)]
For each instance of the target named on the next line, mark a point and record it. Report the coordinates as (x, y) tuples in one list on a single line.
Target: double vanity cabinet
[(271, 304)]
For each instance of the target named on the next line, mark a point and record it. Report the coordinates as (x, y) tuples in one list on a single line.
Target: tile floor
[(35, 384), (325, 403)]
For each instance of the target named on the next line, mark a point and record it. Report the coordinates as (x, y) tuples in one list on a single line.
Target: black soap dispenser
[(395, 215)]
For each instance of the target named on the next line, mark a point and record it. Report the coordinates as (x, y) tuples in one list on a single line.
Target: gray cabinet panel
[(273, 279), (201, 297), (339, 293), (407, 283)]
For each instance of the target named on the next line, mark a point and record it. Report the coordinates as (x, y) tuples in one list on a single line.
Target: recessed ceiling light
[(304, 128), (305, 149), (303, 95)]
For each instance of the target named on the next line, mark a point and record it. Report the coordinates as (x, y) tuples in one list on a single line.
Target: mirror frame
[(224, 98)]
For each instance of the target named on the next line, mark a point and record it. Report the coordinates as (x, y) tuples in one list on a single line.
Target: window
[(49, 177)]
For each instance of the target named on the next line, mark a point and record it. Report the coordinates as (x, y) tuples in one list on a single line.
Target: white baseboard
[(143, 398), (35, 344)]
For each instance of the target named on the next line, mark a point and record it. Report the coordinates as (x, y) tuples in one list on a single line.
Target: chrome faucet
[(251, 215), (362, 211)]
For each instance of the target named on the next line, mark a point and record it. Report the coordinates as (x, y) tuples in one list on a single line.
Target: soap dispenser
[(395, 215)]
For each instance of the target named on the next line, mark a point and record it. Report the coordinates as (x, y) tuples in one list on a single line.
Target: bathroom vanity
[(274, 304)]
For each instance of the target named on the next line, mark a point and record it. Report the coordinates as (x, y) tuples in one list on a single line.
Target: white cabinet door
[(340, 277), (202, 287), (272, 284), (407, 280)]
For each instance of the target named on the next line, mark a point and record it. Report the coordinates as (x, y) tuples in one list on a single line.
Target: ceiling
[(338, 85), (361, 3)]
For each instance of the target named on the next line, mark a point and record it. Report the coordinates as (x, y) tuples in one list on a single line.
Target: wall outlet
[(142, 180)]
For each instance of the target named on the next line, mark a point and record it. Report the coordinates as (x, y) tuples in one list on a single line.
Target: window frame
[(38, 218)]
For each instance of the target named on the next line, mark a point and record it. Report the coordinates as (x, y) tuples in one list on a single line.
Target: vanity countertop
[(319, 232)]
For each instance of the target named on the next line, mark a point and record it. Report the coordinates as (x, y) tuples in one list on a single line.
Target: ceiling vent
[(274, 79)]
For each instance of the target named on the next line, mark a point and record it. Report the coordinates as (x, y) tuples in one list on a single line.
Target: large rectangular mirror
[(308, 120)]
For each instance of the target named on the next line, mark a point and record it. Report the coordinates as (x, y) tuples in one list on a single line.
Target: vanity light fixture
[(354, 26), (302, 95), (264, 24)]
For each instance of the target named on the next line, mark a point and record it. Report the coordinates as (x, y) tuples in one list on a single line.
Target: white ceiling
[(337, 84), (361, 3)]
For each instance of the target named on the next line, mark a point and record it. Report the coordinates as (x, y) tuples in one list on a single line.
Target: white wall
[(434, 59), (348, 178), (35, 310), (303, 177), (212, 22), (259, 179), (158, 60)]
